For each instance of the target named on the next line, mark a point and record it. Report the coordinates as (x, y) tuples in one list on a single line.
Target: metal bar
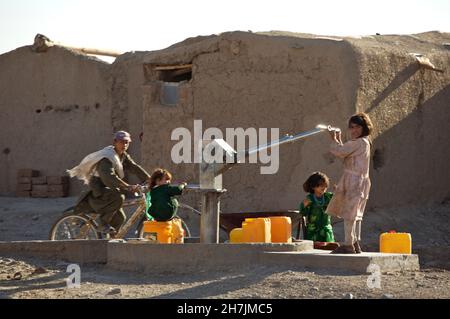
[(209, 219), (291, 138), (130, 222), (242, 155)]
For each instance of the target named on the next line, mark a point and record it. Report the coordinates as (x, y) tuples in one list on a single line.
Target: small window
[(170, 77), (174, 73), (169, 93)]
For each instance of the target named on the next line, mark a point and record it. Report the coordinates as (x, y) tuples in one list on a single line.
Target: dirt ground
[(32, 278), (29, 219)]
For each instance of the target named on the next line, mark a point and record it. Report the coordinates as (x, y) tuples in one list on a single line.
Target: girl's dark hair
[(158, 174), (316, 179), (362, 119)]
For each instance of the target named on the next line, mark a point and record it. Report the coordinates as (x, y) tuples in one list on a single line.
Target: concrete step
[(195, 257), (148, 257), (143, 256), (358, 263), (77, 251)]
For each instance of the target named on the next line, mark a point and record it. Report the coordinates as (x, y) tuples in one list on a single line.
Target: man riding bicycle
[(104, 172)]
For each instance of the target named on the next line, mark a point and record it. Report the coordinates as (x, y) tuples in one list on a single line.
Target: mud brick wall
[(24, 182), (295, 81), (239, 79), (30, 184)]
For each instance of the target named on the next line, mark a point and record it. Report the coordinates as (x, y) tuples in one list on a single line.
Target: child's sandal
[(357, 247), (344, 249)]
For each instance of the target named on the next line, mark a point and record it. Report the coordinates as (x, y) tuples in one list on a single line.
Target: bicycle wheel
[(72, 226), (140, 228)]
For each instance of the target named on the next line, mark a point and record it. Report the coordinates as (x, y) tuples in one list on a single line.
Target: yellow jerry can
[(256, 230), (236, 236), (396, 243)]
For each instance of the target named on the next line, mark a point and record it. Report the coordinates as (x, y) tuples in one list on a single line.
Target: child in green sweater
[(318, 223), (164, 205)]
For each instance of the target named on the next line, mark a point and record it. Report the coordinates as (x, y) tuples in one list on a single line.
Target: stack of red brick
[(30, 184)]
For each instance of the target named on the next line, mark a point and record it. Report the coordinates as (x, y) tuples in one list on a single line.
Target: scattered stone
[(35, 217), (388, 296), (315, 288), (17, 276), (114, 291), (39, 271), (349, 296)]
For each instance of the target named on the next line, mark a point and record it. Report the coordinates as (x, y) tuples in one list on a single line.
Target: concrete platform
[(146, 257), (357, 263), (195, 257), (77, 251)]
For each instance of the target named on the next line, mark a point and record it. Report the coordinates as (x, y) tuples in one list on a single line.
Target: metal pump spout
[(242, 156)]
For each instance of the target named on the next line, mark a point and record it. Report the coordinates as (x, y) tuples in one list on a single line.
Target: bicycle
[(84, 225)]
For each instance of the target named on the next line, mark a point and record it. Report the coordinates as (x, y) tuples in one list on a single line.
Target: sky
[(145, 25)]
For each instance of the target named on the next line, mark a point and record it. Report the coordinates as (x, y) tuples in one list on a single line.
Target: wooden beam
[(111, 53), (42, 44), (172, 67)]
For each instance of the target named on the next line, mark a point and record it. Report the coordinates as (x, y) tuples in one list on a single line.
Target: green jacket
[(318, 223), (164, 205)]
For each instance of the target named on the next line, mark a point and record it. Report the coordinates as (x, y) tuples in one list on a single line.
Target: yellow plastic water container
[(396, 243), (177, 231), (281, 229), (256, 230), (169, 232), (236, 236)]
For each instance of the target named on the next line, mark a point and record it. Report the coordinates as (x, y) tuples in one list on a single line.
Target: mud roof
[(185, 51), (56, 49)]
